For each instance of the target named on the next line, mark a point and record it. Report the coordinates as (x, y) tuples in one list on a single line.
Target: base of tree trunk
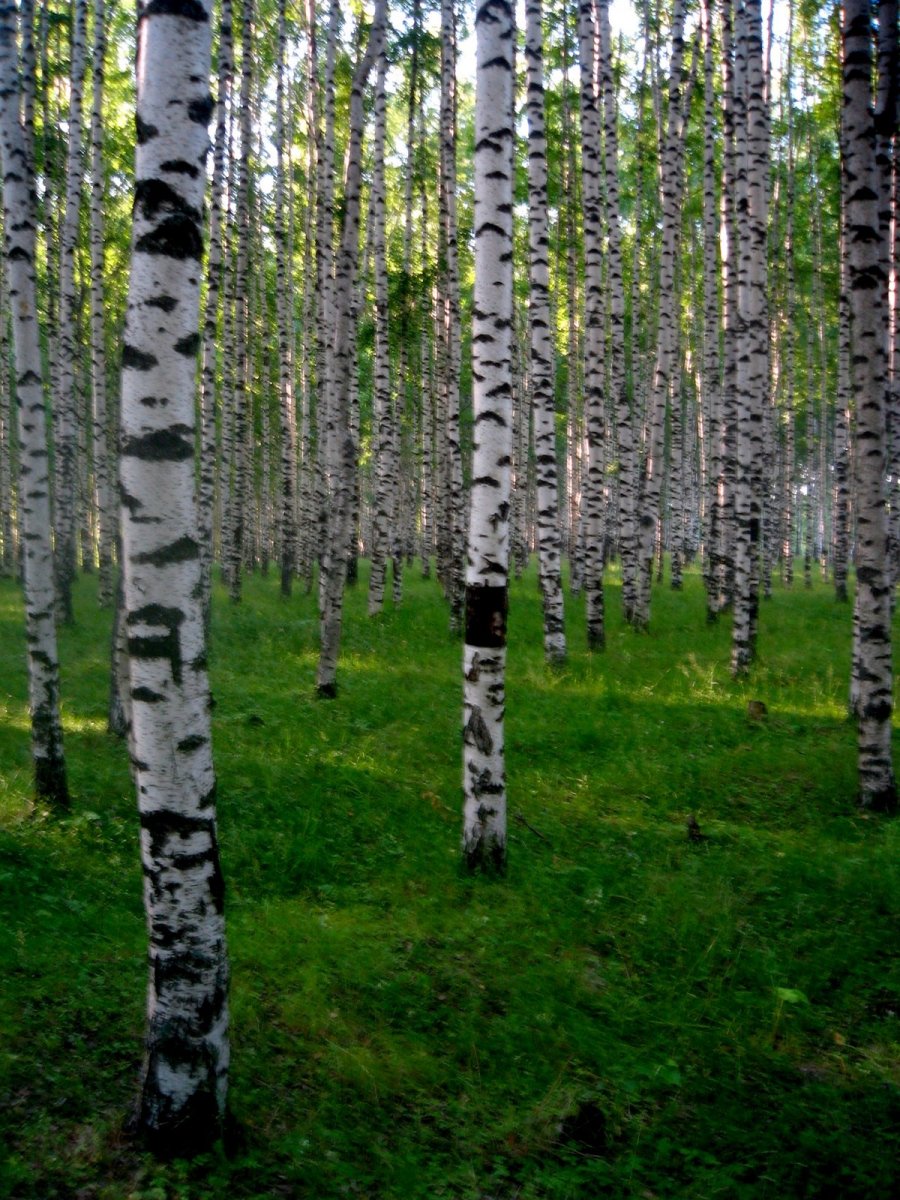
[(326, 691), (596, 641), (194, 1131), (50, 782), (882, 801), (485, 858)]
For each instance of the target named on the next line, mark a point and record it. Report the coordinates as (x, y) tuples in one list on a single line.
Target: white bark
[(20, 219), (487, 566), (185, 1070)]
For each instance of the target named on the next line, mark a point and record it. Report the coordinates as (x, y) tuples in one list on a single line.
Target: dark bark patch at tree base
[(882, 801), (326, 691), (485, 858), (50, 783), (193, 1131)]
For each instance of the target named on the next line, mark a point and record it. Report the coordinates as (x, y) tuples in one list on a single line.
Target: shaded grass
[(628, 1014)]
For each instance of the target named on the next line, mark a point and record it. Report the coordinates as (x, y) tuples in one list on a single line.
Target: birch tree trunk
[(451, 534), (651, 490), (69, 349), (866, 279), (101, 439), (185, 1069), (487, 566), (285, 320), (752, 372), (382, 418), (234, 551), (341, 448), (20, 222), (542, 356), (215, 270), (592, 480)]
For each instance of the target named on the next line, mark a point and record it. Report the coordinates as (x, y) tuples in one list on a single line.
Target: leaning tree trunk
[(20, 221), (185, 1069), (487, 569), (542, 358), (866, 278)]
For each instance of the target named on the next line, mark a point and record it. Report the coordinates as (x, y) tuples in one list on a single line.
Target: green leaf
[(790, 996)]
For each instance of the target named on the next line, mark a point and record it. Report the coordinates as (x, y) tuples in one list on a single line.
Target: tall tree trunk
[(451, 511), (20, 222), (234, 551), (651, 490), (100, 408), (487, 571), (592, 498), (215, 270), (542, 356), (752, 128), (185, 1069), (386, 484), (285, 317), (69, 347), (866, 280), (341, 450)]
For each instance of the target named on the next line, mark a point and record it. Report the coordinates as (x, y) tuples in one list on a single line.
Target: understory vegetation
[(688, 984)]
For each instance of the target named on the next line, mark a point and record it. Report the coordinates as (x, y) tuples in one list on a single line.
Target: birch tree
[(340, 447), (866, 282), (752, 371), (542, 358), (487, 560), (592, 478), (66, 446), (20, 223), (103, 484), (184, 1077)]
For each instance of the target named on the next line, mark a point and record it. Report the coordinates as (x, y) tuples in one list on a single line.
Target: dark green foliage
[(629, 1013)]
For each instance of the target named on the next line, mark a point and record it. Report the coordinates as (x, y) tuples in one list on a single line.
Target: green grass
[(628, 1014)]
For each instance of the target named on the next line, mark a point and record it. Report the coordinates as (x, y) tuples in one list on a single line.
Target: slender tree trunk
[(451, 538), (69, 349), (215, 270), (752, 371), (866, 279), (542, 356), (100, 408), (652, 483), (592, 498), (386, 485), (341, 360), (20, 221), (234, 551), (185, 1069), (487, 572), (285, 318)]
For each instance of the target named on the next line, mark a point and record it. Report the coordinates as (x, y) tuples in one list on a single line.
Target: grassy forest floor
[(628, 1014)]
